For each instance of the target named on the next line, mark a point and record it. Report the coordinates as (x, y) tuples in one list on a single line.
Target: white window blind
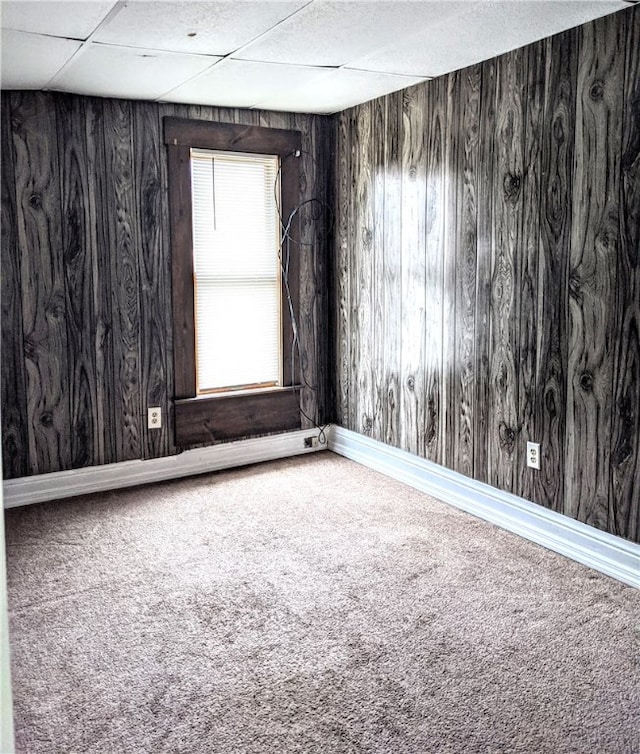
[(237, 270)]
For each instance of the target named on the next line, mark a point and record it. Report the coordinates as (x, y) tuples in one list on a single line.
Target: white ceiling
[(317, 56)]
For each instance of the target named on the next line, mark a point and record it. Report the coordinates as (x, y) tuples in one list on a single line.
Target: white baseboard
[(603, 552), (61, 484)]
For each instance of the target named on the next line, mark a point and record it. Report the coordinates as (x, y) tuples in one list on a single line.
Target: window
[(232, 329), (236, 240)]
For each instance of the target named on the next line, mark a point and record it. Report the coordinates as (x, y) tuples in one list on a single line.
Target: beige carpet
[(308, 605)]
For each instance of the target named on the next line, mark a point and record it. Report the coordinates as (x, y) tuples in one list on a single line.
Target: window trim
[(180, 136)]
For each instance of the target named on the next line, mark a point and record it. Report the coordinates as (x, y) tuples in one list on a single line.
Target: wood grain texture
[(555, 234), (80, 244), (208, 420), (86, 275), (593, 270), (530, 281), (391, 279), (624, 495), (413, 270), (39, 232), (361, 278), (529, 250), (15, 436), (156, 330), (507, 209), (378, 346), (463, 404), (342, 279), (449, 249), (437, 106), (310, 270), (99, 330), (123, 253), (483, 272)]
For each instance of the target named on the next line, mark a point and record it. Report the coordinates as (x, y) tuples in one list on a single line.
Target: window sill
[(236, 415)]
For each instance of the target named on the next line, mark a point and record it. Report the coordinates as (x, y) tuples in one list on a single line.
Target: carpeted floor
[(308, 605)]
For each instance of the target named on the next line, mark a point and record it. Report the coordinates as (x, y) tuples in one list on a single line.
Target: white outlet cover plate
[(154, 417), (533, 455)]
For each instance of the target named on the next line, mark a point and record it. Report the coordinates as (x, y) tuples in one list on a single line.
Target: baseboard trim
[(611, 555), (61, 484)]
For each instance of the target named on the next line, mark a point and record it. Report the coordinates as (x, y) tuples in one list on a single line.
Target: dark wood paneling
[(44, 314), (593, 270), (535, 61), (528, 165), (342, 284), (210, 420), (155, 334), (378, 344), (101, 328), (624, 498), (506, 215), (247, 138), (449, 247), (483, 273), (123, 252), (361, 277), (80, 244), (465, 222), (87, 342), (179, 161), (15, 437), (555, 233), (437, 106)]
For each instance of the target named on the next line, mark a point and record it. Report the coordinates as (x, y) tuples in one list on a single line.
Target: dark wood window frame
[(235, 414)]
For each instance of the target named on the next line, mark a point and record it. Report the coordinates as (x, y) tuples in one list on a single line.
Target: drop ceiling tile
[(482, 31), (337, 90), (58, 18), (334, 32), (128, 72), (239, 83), (219, 27), (30, 61)]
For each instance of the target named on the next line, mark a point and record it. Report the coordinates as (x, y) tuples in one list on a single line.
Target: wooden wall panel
[(465, 223), (100, 328), (44, 313), (123, 253), (506, 215), (378, 375), (535, 71), (153, 270), (528, 217), (361, 273), (625, 434), (483, 273), (86, 287), (593, 269), (452, 137), (437, 107), (556, 178), (79, 244), (15, 436), (342, 279), (414, 282), (391, 278)]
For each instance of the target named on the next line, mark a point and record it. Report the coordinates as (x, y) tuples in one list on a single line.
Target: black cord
[(285, 242)]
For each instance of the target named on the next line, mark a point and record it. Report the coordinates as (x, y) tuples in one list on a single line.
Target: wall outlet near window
[(311, 442), (533, 455), (154, 418)]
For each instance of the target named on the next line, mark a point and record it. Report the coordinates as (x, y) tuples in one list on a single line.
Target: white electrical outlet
[(533, 455), (154, 417)]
